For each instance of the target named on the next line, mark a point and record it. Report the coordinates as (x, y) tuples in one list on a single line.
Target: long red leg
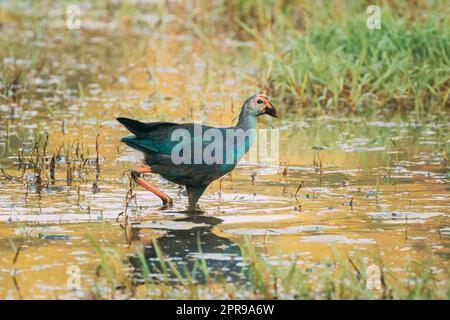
[(135, 174)]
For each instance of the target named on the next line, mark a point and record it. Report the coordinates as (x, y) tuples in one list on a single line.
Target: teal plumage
[(159, 141)]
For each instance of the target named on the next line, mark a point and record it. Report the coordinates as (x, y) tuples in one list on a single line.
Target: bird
[(191, 154)]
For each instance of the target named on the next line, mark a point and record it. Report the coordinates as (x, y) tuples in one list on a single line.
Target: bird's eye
[(259, 101)]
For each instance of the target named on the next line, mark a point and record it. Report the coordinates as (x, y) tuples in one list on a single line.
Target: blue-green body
[(161, 145), (194, 155)]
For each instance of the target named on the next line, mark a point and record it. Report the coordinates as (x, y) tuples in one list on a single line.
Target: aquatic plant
[(344, 278)]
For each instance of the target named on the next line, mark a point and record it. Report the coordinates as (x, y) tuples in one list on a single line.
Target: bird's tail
[(136, 127)]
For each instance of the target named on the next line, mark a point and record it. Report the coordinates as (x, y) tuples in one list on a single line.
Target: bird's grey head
[(260, 104)]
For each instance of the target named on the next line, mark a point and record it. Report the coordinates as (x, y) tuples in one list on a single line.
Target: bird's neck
[(246, 121)]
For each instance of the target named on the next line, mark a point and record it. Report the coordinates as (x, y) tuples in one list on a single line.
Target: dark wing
[(141, 129), (154, 138)]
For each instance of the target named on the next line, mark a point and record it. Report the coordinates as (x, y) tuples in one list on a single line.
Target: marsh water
[(368, 187)]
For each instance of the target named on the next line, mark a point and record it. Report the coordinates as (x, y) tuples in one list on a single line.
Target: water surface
[(370, 188)]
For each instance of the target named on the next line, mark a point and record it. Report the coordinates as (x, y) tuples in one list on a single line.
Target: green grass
[(329, 62), (314, 56), (345, 278)]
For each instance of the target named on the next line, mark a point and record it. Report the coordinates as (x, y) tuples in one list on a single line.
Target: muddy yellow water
[(372, 189)]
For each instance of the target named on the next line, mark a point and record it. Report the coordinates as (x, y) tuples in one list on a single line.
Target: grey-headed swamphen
[(191, 154)]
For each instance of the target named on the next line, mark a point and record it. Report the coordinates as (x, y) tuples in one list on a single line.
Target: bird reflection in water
[(188, 249)]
